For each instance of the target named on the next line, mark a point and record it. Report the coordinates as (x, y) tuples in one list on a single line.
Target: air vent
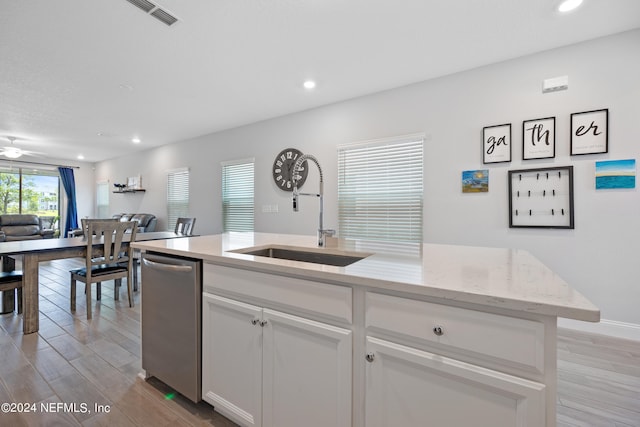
[(164, 16), (155, 11), (145, 5)]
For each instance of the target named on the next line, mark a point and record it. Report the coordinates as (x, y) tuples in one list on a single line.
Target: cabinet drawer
[(518, 341), (327, 301)]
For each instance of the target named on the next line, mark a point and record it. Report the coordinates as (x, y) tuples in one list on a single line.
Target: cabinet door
[(408, 387), (232, 358), (307, 373)]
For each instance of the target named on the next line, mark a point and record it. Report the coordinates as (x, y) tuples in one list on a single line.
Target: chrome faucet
[(322, 233)]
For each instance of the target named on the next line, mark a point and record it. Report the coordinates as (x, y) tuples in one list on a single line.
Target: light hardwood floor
[(75, 361)]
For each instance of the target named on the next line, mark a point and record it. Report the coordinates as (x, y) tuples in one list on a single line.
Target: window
[(102, 199), (380, 189), (25, 191), (237, 195), (177, 196)]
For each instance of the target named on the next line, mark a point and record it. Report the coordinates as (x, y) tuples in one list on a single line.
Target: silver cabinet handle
[(438, 330), (369, 357), (255, 321), (263, 323), (167, 267)]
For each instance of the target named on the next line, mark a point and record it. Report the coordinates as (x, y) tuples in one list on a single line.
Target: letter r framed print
[(590, 132), (496, 144)]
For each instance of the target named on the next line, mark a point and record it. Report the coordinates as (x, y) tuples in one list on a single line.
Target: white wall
[(599, 257)]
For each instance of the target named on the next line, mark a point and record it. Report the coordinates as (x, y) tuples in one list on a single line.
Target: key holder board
[(541, 198)]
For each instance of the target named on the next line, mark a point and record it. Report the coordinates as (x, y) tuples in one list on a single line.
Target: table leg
[(30, 316)]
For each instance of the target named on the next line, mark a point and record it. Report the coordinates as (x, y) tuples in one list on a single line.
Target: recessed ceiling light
[(136, 140), (569, 5), (80, 157), (126, 87), (309, 84)]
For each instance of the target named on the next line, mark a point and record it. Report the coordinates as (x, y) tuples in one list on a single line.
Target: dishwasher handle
[(167, 267)]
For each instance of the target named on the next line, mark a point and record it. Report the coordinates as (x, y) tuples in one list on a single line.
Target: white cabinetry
[(431, 368), (282, 351), (265, 367), (410, 387)]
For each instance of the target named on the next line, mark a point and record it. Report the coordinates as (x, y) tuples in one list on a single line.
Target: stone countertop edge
[(509, 279)]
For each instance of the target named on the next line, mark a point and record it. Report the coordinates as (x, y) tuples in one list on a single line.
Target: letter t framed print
[(496, 144)]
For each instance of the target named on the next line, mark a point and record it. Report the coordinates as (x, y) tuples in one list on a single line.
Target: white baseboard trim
[(612, 328)]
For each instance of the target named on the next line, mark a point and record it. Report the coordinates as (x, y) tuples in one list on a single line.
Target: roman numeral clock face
[(283, 169)]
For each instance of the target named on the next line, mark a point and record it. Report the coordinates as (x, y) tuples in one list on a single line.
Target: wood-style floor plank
[(75, 360)]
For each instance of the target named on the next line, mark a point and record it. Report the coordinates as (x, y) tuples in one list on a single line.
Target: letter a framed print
[(496, 144), (590, 132)]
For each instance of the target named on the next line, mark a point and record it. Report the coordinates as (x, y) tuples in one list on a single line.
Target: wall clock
[(283, 169)]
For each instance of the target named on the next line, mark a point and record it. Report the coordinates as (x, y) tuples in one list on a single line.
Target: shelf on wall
[(138, 190)]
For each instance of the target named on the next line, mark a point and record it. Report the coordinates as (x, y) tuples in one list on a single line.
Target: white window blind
[(177, 196), (102, 199), (380, 190), (237, 195)]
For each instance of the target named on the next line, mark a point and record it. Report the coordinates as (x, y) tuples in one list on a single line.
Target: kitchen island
[(454, 335)]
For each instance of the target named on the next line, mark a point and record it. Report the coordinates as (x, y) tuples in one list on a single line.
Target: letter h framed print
[(496, 144), (539, 138), (590, 132)]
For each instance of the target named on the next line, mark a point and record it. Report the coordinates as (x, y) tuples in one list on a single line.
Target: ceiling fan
[(13, 152)]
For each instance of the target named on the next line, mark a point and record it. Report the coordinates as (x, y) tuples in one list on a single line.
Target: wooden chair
[(108, 261), (185, 226), (10, 281)]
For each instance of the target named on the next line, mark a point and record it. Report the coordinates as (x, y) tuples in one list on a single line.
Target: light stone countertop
[(506, 278)]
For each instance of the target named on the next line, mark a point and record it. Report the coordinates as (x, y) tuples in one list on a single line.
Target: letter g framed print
[(496, 144)]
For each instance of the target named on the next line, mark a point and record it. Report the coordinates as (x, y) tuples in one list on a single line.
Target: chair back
[(185, 226), (86, 221), (112, 251)]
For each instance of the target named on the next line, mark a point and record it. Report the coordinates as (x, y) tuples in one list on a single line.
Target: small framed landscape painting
[(539, 138), (612, 174), (476, 181), (590, 132), (496, 144)]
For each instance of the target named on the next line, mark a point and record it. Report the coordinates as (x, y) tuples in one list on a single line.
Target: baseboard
[(612, 328)]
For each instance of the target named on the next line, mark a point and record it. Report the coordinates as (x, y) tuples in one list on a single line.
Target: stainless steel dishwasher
[(171, 322)]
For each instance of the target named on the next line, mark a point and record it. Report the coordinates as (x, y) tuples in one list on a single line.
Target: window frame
[(371, 206), (238, 214)]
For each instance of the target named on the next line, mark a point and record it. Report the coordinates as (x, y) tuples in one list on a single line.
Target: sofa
[(146, 222), (22, 227)]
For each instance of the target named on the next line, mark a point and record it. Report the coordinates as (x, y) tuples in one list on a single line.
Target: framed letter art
[(590, 132), (496, 143), (539, 138)]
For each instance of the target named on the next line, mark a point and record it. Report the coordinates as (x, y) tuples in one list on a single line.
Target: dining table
[(35, 251)]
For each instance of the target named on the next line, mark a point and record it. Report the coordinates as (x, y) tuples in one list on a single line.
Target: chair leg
[(135, 274), (88, 289), (19, 300), (129, 289), (116, 291), (73, 294)]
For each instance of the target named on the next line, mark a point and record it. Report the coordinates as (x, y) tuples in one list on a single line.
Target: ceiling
[(85, 77)]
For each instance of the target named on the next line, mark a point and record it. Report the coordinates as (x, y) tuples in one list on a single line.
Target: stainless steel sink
[(326, 258)]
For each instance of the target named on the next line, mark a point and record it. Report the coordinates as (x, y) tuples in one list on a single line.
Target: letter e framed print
[(496, 144), (590, 132)]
